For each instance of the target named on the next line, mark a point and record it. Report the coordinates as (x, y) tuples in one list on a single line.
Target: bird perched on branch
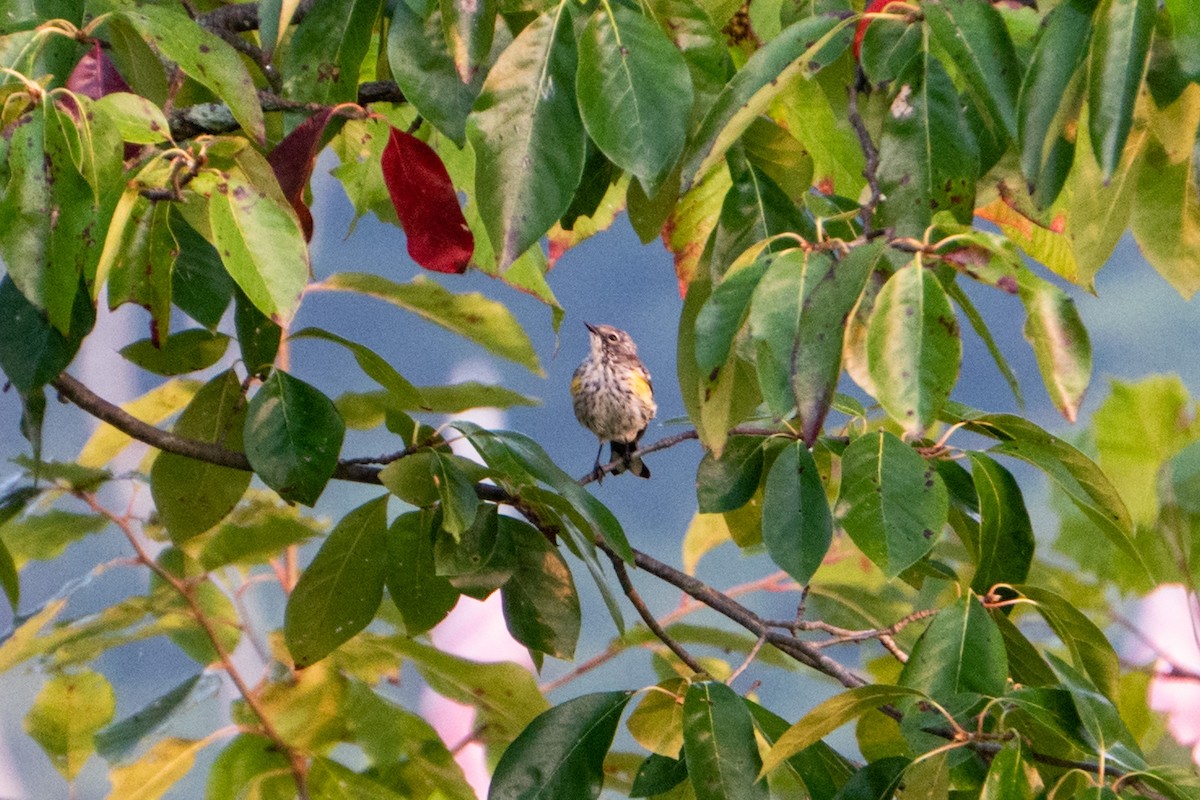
[(614, 397)]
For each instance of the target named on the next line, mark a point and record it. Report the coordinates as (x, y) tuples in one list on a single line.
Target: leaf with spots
[(913, 348), (719, 744), (322, 60), (260, 242), (67, 713), (1056, 333), (928, 161), (340, 591), (204, 57), (895, 502), (527, 136)]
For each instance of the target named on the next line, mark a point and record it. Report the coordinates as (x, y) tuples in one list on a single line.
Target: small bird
[(614, 397)]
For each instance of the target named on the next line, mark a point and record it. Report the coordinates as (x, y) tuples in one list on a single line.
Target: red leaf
[(95, 75), (861, 30), (293, 160), (425, 201)]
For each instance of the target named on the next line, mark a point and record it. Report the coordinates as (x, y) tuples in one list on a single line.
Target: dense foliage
[(828, 179)]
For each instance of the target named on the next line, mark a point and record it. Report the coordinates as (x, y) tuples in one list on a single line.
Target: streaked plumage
[(614, 396)]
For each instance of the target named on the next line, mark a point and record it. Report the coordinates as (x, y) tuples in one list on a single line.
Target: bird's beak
[(591, 327)]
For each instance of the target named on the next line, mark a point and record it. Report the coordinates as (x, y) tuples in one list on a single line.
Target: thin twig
[(185, 590), (870, 153), (762, 639), (648, 618)]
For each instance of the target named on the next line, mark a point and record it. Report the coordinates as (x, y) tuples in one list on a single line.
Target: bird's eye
[(612, 337)]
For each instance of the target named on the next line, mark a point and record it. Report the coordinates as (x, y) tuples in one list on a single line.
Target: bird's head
[(610, 341)]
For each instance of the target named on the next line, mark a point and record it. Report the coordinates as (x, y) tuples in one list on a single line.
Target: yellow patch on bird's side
[(576, 384), (641, 387)]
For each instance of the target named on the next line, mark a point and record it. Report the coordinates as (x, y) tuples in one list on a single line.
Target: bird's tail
[(625, 452)]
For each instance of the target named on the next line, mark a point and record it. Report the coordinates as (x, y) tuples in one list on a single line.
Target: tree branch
[(648, 618), (806, 653), (870, 152)]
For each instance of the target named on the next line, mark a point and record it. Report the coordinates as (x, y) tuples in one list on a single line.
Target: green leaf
[(658, 774), (331, 780), (1025, 663), (1055, 330), (293, 435), (261, 244), (823, 770), (404, 750), (401, 393), (9, 580), (158, 770), (913, 348), (1166, 219), (204, 57), (1101, 724), (754, 210), (410, 478), (773, 149), (657, 721), (32, 351), (724, 313), (137, 119), (325, 54), (200, 286), (727, 483), (1006, 540), (561, 753), (541, 607), (66, 714), (974, 36), (797, 523), (192, 496), (340, 591), (718, 740), (1090, 650), (463, 396), (960, 652), (44, 537), (765, 76), (117, 741), (422, 596), (1185, 34), (514, 456), (1084, 483), (505, 693), (180, 353), (829, 716), (250, 767), (928, 161), (258, 335), (469, 28), (527, 136), (255, 540), (424, 69), (145, 250), (800, 299), (1118, 61), (1138, 430), (897, 503), (1059, 52), (472, 316), (634, 90), (1009, 777), (456, 490)]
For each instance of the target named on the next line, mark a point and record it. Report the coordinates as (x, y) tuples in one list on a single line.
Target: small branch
[(648, 618), (762, 639), (870, 152), (185, 590)]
